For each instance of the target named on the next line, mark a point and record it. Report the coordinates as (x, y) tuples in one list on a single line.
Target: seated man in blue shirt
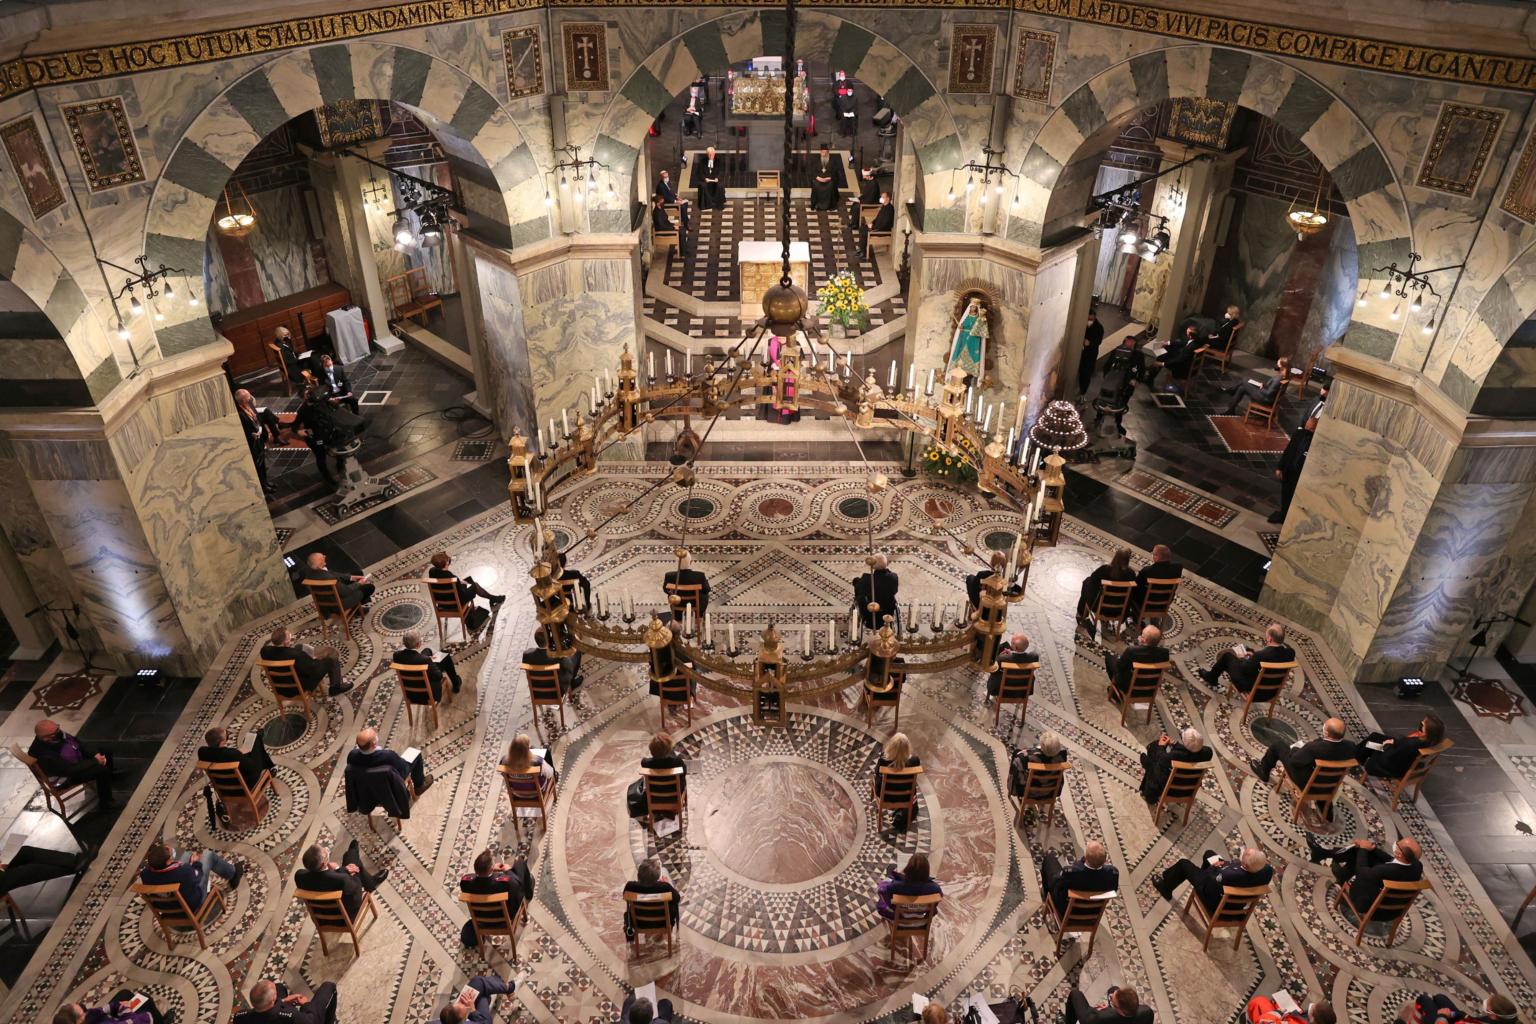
[(192, 875), (369, 754)]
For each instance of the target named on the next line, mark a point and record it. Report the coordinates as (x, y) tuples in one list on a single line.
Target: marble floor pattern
[(779, 854)]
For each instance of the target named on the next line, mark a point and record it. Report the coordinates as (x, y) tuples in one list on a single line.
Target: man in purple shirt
[(62, 756)]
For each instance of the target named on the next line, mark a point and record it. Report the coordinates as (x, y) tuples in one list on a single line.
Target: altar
[(758, 267)]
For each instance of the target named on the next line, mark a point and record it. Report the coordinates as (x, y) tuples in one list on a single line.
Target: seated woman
[(898, 754), (1118, 570), (1049, 750), (648, 880), (914, 881), (664, 756), (1397, 755), (520, 758), (468, 588)]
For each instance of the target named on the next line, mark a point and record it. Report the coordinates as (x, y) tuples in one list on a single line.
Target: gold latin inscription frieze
[(100, 62)]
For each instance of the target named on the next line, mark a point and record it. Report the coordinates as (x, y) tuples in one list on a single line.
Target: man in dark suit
[(1396, 755), (1300, 760), (1266, 392), (884, 221), (32, 864), (686, 575), (1089, 873), (1362, 866), (271, 1003), (474, 1002), (693, 123), (162, 868), (1292, 461), (414, 654), (570, 665), (293, 363), (489, 879), (640, 1011), (334, 384), (1014, 652), (1157, 762), (669, 195), (468, 588), (580, 579), (1123, 1007), (315, 424), (318, 874), (1210, 875), (1093, 340), (1147, 650), (661, 220), (312, 664), (1162, 567), (218, 750), (707, 172), (648, 880), (879, 587), (1177, 358), (62, 756), (370, 754), (354, 589), (1243, 665), (869, 187)]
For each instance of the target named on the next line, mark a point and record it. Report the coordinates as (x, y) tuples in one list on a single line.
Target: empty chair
[(326, 595), (171, 910), (665, 793), (1182, 787), (911, 921), (1232, 911), (1042, 788), (489, 916), (329, 914), (1084, 913), (1390, 905), (1322, 787), (246, 806)]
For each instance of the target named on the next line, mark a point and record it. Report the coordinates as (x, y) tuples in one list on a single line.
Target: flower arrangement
[(841, 300), (953, 465)]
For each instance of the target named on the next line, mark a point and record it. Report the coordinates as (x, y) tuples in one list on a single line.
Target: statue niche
[(972, 344)]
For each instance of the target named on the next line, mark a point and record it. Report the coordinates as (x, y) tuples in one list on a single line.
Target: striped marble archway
[(1483, 356), (498, 176), (1058, 170)]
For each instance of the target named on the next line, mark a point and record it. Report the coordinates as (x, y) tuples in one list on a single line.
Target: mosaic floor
[(779, 855)]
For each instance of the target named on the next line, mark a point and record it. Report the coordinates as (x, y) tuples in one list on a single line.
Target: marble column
[(350, 176), (145, 511), (1185, 198), (1411, 521)]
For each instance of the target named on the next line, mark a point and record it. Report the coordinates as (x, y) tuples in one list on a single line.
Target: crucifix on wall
[(586, 57), (970, 58)]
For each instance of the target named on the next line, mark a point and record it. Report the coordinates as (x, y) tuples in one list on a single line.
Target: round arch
[(1482, 357), (1058, 169), (498, 176)]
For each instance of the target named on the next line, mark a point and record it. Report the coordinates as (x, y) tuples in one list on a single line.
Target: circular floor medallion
[(696, 507), (779, 849), (281, 730), (855, 508), (400, 617), (1000, 540), (775, 508)]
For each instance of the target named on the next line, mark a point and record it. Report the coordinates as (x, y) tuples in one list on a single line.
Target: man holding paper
[(1212, 873), (474, 1000), (1243, 665), (272, 1003), (437, 666), (369, 754)]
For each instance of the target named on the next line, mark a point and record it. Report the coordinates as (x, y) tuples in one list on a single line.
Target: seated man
[(1243, 665), (1122, 1007), (693, 124), (1014, 652), (1089, 873), (217, 749), (62, 756), (468, 588), (1178, 357), (162, 868), (1301, 759), (414, 654), (1147, 650), (648, 880), (1362, 866), (582, 583), (491, 878), (669, 195), (1213, 872), (686, 575), (884, 221), (1497, 1008), (334, 386), (1266, 392), (320, 874), (879, 586), (661, 221), (640, 1011), (570, 665), (1397, 755), (474, 1002), (311, 663), (1157, 762), (33, 864), (369, 754), (355, 590), (115, 1012), (271, 1003), (1162, 567)]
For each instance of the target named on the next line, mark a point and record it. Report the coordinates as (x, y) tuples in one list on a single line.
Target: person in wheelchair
[(1126, 365)]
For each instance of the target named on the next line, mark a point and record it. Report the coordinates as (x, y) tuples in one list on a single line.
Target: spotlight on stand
[(431, 231), (401, 229)]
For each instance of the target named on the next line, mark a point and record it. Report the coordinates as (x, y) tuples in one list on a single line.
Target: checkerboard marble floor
[(779, 855)]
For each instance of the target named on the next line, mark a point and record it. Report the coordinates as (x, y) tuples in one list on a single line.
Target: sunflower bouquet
[(841, 300), (949, 464)]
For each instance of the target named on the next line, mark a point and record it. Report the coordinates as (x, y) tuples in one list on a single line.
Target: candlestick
[(709, 631), (969, 394), (669, 364), (853, 624), (911, 376), (730, 636), (831, 360), (1002, 410), (986, 427), (607, 381), (565, 424), (1008, 457), (538, 440), (807, 647), (688, 364), (552, 434), (1034, 465), (890, 383), (594, 394), (929, 392), (650, 365), (831, 635)]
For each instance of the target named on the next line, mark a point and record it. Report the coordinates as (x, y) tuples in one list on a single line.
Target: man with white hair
[(1147, 650), (354, 589), (369, 753), (271, 1003), (1157, 762), (877, 587), (1213, 872), (1092, 872), (1015, 652)]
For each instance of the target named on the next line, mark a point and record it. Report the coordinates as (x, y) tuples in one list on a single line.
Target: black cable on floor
[(453, 414)]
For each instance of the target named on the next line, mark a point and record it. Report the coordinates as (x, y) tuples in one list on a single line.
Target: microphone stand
[(71, 631)]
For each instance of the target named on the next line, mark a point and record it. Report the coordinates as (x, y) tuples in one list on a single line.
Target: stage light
[(402, 232), (1410, 686)]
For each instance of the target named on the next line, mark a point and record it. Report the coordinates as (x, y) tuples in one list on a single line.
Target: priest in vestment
[(708, 171), (826, 181)]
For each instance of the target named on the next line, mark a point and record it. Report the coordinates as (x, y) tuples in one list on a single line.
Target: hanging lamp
[(236, 223)]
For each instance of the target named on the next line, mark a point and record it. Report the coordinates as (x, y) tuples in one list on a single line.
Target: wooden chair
[(18, 917), (666, 241), (1259, 411), (283, 680), (1182, 787), (768, 181), (446, 605), (1231, 911), (1043, 784), (1015, 685), (416, 688), (1114, 603), (1085, 911), (489, 916), (1158, 600), (410, 297), (666, 792), (650, 913), (329, 914), (289, 384), (246, 806), (171, 911), (1211, 354), (1418, 771), (874, 239), (911, 920), (894, 789), (524, 790), (874, 696), (867, 213), (326, 594), (56, 792), (1391, 904), (544, 691), (686, 594), (1301, 380), (1322, 786), (676, 690), (1272, 679), (1143, 686)]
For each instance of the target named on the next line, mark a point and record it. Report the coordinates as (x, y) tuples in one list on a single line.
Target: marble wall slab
[(505, 346), (578, 314), (279, 247)]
